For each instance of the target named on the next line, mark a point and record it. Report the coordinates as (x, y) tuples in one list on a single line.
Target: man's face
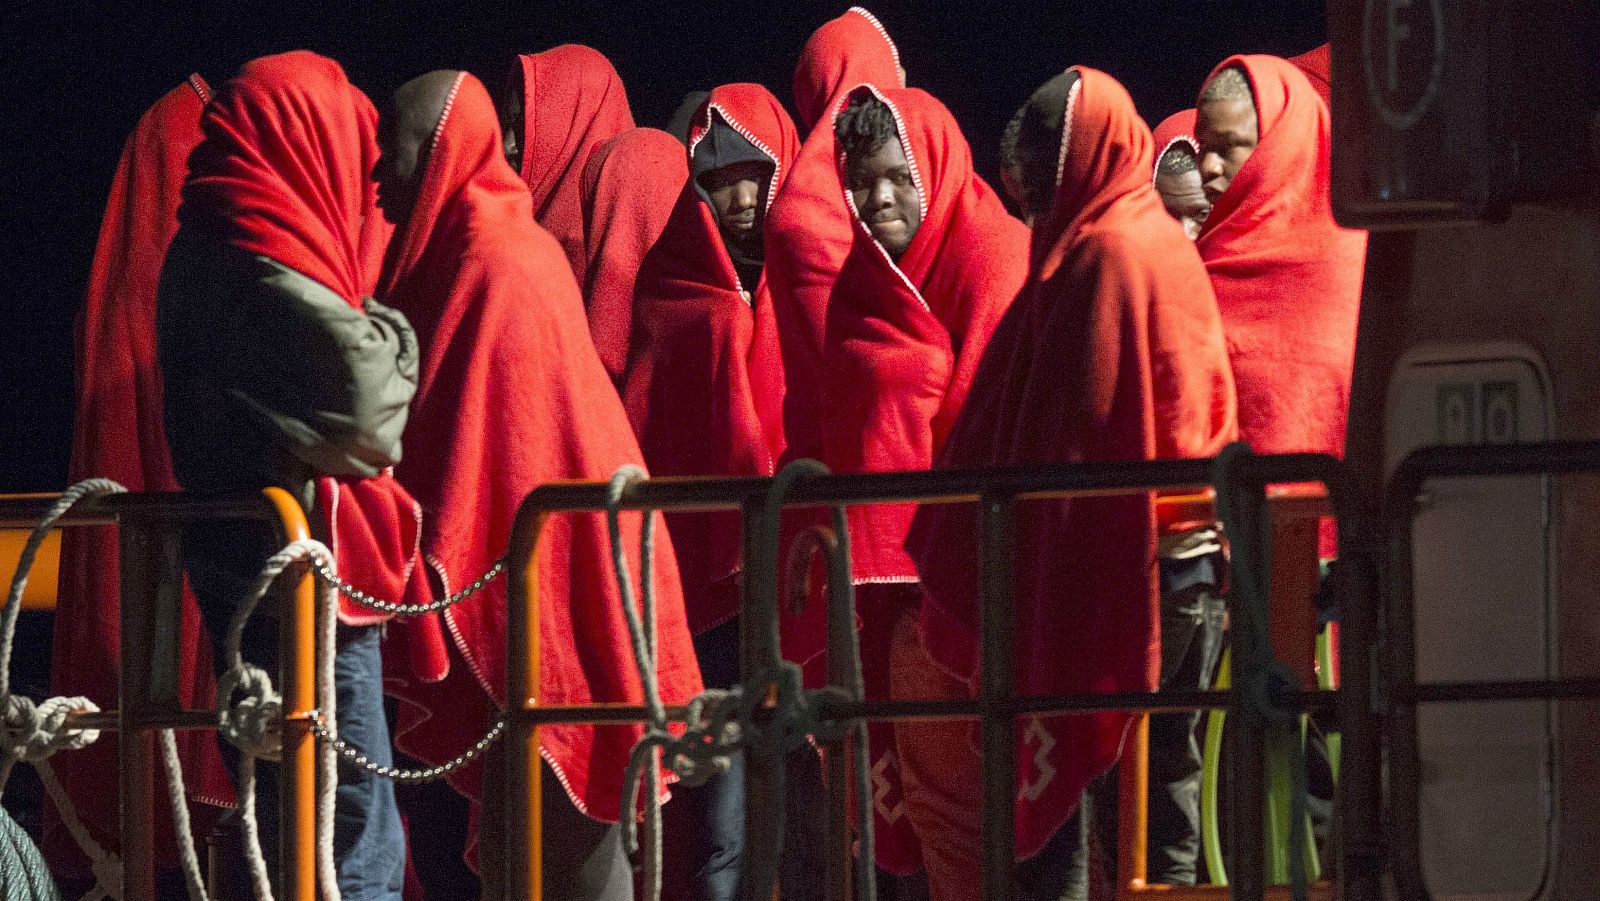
[(885, 196), (511, 118), (1184, 199), (1228, 132), (398, 171), (735, 193)]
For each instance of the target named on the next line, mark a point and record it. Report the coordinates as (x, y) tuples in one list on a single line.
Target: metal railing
[(149, 530), (996, 491), (1400, 697), (1376, 702)]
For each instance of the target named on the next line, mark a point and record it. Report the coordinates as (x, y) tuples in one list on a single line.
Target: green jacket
[(271, 378)]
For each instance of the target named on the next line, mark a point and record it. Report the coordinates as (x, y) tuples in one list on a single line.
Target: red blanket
[(1177, 127), (1317, 63), (512, 395), (1287, 277), (808, 232), (573, 102), (119, 433), (1113, 351), (704, 382), (630, 186), (849, 50)]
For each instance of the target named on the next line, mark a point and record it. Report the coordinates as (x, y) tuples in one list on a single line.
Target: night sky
[(79, 75)]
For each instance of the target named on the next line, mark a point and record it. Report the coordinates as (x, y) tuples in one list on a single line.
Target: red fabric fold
[(1113, 351), (283, 172), (630, 186), (512, 395), (851, 49), (1317, 63), (119, 433), (573, 101), (704, 382), (1287, 277)]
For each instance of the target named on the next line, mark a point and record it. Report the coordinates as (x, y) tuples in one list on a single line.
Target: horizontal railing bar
[(182, 720), (931, 486), (25, 511), (1552, 457), (953, 708), (1527, 690)]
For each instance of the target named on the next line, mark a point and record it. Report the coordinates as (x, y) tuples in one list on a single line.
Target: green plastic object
[(1278, 789)]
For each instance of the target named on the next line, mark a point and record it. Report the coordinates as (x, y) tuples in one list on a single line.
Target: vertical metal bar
[(1245, 738), (1133, 814), (523, 829), (140, 568), (297, 662), (997, 694), (1404, 813), (1361, 843), (765, 775)]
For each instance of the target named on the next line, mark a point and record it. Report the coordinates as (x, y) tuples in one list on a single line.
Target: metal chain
[(326, 571), (353, 755)]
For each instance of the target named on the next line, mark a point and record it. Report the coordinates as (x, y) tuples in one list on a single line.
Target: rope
[(717, 719), (1270, 688), (33, 732), (23, 875)]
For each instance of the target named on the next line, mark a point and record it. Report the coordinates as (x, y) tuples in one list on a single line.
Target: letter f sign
[(1398, 31)]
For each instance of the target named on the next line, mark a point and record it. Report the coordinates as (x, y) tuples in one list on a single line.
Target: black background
[(79, 75)]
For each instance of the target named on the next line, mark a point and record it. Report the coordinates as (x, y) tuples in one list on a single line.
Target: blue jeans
[(369, 841), (710, 819)]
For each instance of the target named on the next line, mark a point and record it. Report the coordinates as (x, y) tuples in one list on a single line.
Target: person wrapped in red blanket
[(704, 391), (278, 369), (555, 108), (511, 395), (118, 434), (1286, 276), (934, 262), (1113, 351)]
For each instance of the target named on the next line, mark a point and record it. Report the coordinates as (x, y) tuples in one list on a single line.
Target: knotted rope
[(33, 732)]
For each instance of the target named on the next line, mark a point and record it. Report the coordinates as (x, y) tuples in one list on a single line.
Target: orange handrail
[(149, 528)]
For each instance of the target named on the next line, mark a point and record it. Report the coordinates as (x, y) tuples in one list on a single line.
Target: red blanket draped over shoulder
[(630, 186), (808, 232), (1287, 277), (118, 433), (1113, 351), (704, 383), (511, 396), (573, 101), (283, 172)]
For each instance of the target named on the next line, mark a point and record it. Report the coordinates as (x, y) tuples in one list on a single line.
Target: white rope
[(713, 729), (33, 732)]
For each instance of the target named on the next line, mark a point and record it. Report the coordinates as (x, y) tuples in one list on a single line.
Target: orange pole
[(1133, 815), (523, 829), (297, 650)]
